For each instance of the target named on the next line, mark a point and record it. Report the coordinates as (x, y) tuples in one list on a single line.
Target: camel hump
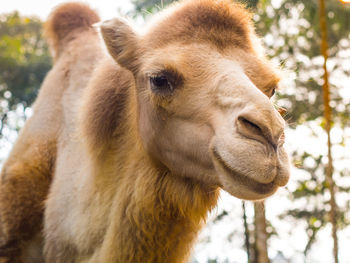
[(65, 21)]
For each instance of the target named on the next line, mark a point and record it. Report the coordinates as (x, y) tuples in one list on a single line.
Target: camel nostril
[(252, 130), (250, 125)]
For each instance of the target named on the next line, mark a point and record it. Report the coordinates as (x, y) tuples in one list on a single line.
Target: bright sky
[(107, 9)]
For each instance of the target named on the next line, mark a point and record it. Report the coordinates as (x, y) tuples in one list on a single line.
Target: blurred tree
[(292, 33), (328, 119), (24, 62), (260, 248), (147, 7), (247, 234)]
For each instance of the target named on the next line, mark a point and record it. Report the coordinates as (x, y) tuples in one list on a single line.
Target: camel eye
[(161, 85), (273, 92)]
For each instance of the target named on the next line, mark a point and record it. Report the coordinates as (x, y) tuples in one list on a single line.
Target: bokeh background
[(295, 225)]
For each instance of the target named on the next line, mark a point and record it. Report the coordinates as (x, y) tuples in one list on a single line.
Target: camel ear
[(121, 42)]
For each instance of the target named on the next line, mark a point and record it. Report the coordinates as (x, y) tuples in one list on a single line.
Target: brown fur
[(66, 21), (22, 195), (28, 171), (122, 44), (135, 172), (107, 106), (224, 24)]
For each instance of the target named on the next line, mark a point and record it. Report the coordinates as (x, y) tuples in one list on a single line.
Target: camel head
[(203, 90)]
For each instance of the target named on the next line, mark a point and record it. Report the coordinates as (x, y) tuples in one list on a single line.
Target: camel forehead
[(220, 23)]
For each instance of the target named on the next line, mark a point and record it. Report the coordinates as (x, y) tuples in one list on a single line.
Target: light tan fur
[(138, 168)]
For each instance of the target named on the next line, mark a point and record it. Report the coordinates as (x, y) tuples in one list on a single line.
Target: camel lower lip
[(250, 183)]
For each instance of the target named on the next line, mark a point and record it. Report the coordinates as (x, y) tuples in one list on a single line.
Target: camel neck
[(156, 216)]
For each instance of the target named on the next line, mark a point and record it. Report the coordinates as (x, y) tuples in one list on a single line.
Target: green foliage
[(24, 62), (24, 59), (147, 7), (250, 3), (292, 34)]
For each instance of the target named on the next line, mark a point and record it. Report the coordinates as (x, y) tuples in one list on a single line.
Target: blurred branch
[(328, 121), (3, 120), (246, 233), (260, 233)]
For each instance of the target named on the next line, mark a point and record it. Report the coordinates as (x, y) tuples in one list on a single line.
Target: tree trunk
[(328, 119), (247, 235), (260, 233)]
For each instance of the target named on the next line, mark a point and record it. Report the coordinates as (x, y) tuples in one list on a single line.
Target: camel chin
[(253, 174)]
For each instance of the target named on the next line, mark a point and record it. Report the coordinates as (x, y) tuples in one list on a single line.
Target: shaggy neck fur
[(155, 215)]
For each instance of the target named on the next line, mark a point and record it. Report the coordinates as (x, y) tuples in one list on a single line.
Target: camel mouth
[(242, 180)]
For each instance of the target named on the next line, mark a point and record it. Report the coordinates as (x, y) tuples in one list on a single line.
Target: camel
[(132, 140)]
